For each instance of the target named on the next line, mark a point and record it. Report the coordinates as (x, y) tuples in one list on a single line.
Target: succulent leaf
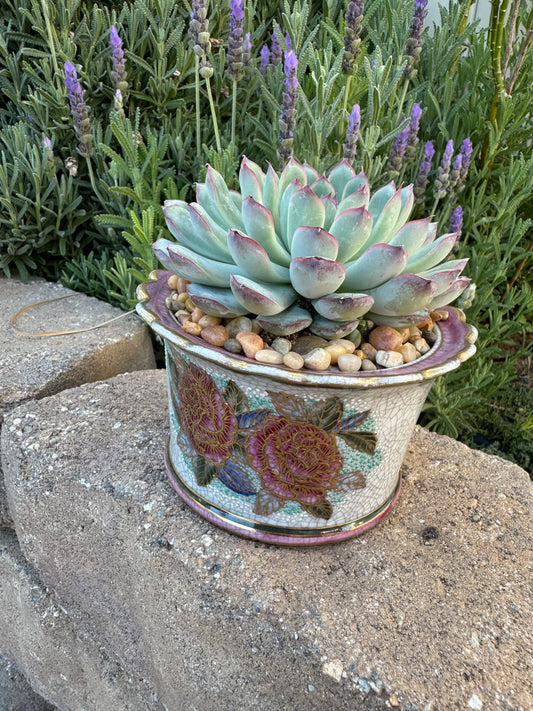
[(305, 208), (284, 209), (395, 321), (291, 320), (402, 295), (376, 266), (412, 235), (256, 170), (192, 266), (312, 173), (328, 329), (357, 184), (322, 187), (340, 176), (271, 196), (385, 219), (314, 241), (429, 256), (249, 183), (250, 256), (313, 277), (408, 201), (359, 198), (262, 299), (446, 297), (259, 225), (215, 301), (343, 306), (351, 228), (292, 171), (330, 206)]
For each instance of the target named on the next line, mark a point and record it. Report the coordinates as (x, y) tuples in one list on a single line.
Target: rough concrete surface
[(34, 367), (15, 692), (429, 611), (64, 665)]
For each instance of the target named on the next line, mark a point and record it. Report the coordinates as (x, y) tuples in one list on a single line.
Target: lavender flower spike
[(199, 33), (247, 56), (442, 181), (235, 44), (423, 171), (456, 220), (352, 134), (353, 17), (79, 111), (275, 51), (466, 153), (118, 74), (287, 119), (265, 60), (413, 45), (412, 134), (398, 151), (455, 172)]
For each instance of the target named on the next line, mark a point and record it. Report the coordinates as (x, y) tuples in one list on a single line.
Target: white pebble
[(389, 359), (269, 356), (293, 360), (349, 362), (421, 345), (317, 359), (368, 365), (281, 345)]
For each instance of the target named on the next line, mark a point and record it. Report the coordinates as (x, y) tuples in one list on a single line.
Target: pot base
[(266, 533)]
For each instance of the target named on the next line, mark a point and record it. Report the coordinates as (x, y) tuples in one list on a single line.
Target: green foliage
[(93, 228)]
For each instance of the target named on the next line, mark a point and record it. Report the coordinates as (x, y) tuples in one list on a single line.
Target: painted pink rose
[(207, 420), (294, 460)]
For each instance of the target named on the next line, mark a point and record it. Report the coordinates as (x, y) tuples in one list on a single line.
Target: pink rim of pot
[(454, 345)]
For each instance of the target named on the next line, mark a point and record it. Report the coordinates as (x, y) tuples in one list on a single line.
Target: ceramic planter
[(290, 457)]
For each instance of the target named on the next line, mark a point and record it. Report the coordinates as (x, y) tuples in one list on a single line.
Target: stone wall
[(121, 598)]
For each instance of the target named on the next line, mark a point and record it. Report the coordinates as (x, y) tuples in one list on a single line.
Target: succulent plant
[(303, 250)]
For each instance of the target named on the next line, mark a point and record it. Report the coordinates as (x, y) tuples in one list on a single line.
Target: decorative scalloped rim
[(454, 345)]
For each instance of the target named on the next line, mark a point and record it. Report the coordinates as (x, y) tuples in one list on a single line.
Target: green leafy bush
[(89, 220)]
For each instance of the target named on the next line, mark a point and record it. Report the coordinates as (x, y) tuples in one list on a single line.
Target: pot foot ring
[(281, 536)]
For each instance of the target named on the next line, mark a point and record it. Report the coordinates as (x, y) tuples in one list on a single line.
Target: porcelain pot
[(290, 457)]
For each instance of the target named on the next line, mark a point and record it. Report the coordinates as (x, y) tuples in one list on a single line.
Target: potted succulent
[(304, 321)]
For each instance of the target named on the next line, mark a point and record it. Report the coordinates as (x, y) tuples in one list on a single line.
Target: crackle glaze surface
[(269, 456)]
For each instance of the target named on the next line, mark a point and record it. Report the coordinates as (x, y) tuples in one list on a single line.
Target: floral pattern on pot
[(288, 454)]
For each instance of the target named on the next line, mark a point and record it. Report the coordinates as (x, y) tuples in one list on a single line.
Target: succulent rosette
[(303, 250), (295, 460)]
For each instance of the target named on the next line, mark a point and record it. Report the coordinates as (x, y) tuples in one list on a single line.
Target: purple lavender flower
[(47, 143), (352, 134), (442, 181), (466, 153), (288, 42), (199, 33), (423, 172), (398, 151), (456, 220), (247, 56), (353, 17), (79, 111), (118, 73), (275, 50), (412, 135), (235, 44), (287, 119), (413, 46), (265, 60)]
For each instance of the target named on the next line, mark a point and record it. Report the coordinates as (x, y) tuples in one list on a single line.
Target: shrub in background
[(168, 88)]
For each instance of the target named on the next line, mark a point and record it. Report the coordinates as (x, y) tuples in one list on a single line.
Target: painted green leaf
[(327, 414), (266, 503), (351, 481), (204, 471), (185, 445), (235, 397), (289, 406), (322, 509), (354, 421), (365, 442)]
